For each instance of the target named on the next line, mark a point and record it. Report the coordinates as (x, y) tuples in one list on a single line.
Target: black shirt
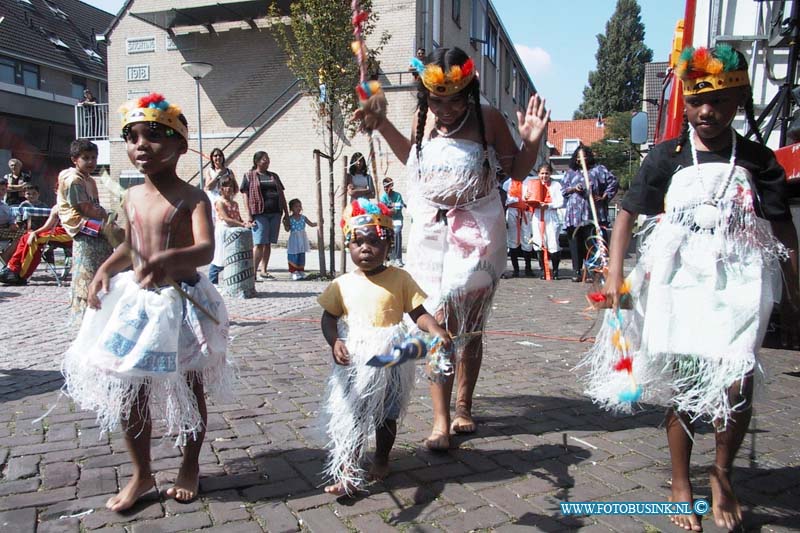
[(647, 191)]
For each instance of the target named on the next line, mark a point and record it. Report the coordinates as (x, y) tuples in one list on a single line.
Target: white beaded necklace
[(457, 129), (706, 215)]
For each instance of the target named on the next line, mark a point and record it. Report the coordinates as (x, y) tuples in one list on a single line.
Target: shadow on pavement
[(20, 383)]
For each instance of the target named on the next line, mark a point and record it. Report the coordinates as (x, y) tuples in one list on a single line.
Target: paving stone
[(322, 520), (276, 517), (59, 475), (95, 481), (22, 467), (19, 486), (231, 511), (371, 523), (36, 499), (18, 521), (171, 524), (69, 525), (481, 518)]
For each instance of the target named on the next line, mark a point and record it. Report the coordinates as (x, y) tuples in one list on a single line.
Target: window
[(507, 70), (478, 22), (570, 145), (56, 11), (53, 38), (19, 72), (78, 86), (26, 3), (94, 55), (514, 84), (30, 75), (437, 23), (7, 70), (490, 47), (456, 8)]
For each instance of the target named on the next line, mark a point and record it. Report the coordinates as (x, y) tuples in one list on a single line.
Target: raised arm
[(517, 161)]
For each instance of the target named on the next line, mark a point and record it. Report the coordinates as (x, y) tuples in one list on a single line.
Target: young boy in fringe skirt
[(155, 337), (363, 317)]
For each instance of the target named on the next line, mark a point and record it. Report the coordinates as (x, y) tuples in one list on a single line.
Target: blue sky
[(556, 40)]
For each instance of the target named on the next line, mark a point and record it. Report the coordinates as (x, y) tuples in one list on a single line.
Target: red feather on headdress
[(152, 98)]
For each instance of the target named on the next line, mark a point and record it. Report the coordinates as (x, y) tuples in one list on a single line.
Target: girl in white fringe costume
[(363, 317), (708, 274), (457, 241), (144, 347)]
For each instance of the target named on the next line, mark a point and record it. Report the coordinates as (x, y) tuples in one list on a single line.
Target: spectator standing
[(359, 182), (578, 217), (215, 174), (88, 102), (394, 201), (263, 194)]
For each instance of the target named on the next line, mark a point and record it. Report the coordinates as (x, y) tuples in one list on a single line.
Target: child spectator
[(297, 246), (83, 219), (228, 216), (160, 337), (7, 219), (363, 314), (705, 281), (394, 200), (32, 200)]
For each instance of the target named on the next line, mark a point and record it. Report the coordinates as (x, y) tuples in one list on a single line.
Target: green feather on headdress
[(727, 55)]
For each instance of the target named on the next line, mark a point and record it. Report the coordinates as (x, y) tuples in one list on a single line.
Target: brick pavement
[(539, 440)]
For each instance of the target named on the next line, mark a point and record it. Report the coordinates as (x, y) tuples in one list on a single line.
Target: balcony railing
[(91, 121)]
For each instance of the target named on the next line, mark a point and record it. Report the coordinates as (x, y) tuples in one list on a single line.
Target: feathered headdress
[(703, 70), (459, 76), (362, 212), (153, 108)]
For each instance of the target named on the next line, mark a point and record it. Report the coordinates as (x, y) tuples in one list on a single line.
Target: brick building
[(564, 137), (251, 93), (49, 54)]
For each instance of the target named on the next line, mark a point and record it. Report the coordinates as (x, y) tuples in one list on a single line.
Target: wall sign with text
[(138, 72), (141, 45)]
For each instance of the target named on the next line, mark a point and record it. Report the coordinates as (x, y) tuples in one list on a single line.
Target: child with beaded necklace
[(706, 279)]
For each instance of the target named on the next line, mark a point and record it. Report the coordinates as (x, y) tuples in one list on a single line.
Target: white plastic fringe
[(358, 397), (702, 299), (110, 386)]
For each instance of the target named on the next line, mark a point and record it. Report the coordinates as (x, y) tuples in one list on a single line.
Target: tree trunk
[(343, 254), (332, 239), (320, 228)]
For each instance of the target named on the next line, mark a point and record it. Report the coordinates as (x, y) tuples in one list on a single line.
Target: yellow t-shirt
[(381, 299)]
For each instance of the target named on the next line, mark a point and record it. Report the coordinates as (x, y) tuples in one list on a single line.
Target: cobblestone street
[(539, 440)]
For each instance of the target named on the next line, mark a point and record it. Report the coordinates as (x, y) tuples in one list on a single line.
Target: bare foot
[(462, 421), (340, 489), (135, 489), (724, 505), (186, 484), (378, 471), (439, 441), (683, 493)]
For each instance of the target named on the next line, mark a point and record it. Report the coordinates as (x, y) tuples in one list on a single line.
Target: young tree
[(617, 83), (317, 37), (615, 150)]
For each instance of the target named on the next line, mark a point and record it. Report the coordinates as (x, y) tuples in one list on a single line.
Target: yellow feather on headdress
[(714, 66)]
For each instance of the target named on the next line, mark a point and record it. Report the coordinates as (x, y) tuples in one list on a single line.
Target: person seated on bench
[(28, 252)]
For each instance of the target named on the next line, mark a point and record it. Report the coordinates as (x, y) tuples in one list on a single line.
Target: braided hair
[(445, 58)]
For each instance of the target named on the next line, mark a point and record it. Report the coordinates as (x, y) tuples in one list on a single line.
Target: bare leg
[(258, 254), (441, 393), (467, 371), (384, 440), (188, 481), (725, 506), (680, 452), (137, 439)]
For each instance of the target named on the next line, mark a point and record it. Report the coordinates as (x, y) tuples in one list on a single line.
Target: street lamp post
[(198, 70)]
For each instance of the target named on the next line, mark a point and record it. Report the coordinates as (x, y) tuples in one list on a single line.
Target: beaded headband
[(703, 70), (153, 108), (459, 76), (362, 213)]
